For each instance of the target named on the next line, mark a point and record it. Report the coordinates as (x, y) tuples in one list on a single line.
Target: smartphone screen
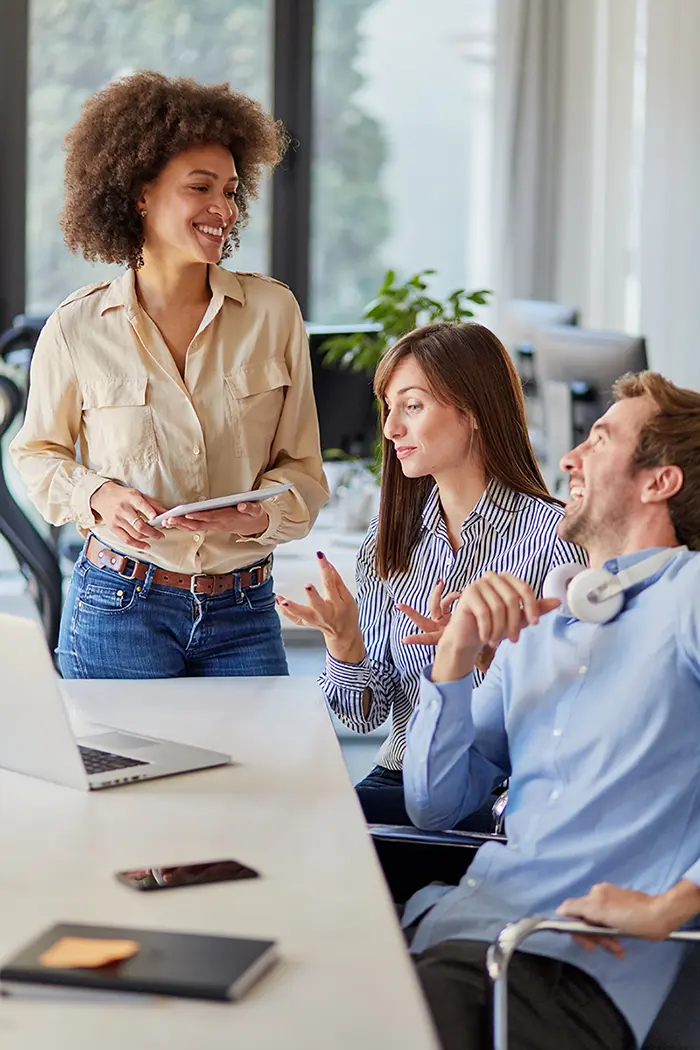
[(187, 875)]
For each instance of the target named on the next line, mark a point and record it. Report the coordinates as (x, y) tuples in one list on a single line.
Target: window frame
[(293, 24)]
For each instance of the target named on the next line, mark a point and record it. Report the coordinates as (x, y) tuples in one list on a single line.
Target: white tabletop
[(287, 808)]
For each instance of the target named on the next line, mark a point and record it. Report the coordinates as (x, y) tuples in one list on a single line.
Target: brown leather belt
[(200, 583)]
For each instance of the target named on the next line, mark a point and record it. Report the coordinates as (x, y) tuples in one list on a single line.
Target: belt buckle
[(193, 581), (132, 574)]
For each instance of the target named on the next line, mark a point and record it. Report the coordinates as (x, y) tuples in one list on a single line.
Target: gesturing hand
[(431, 626), (335, 615), (245, 519), (125, 512), (494, 607)]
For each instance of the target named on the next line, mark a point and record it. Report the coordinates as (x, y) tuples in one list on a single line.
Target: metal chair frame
[(514, 934)]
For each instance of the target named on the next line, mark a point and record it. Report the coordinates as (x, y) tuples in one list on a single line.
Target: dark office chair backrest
[(36, 559)]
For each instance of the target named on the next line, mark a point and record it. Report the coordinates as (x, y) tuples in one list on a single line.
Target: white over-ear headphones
[(596, 595)]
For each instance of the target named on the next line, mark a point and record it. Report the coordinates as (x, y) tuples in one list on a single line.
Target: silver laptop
[(36, 737)]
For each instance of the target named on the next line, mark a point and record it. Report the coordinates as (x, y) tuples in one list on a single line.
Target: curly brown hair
[(125, 136)]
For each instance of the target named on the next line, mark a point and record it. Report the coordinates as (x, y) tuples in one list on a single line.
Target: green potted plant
[(397, 309)]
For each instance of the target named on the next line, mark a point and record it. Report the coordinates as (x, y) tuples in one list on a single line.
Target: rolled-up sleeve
[(295, 455), (44, 449), (375, 682)]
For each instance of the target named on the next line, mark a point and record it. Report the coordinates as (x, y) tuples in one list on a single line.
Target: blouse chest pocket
[(254, 399), (118, 421)]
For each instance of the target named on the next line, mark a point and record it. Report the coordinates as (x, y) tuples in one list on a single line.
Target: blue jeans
[(114, 627)]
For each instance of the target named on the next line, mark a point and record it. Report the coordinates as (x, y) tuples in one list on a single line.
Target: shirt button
[(434, 704), (471, 882), (196, 450), (196, 538), (582, 669), (557, 732), (554, 796)]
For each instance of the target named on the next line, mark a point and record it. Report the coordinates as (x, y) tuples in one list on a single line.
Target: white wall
[(628, 232), (593, 228), (670, 252)]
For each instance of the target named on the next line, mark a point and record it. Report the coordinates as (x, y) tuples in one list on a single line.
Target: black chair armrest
[(453, 837), (412, 858)]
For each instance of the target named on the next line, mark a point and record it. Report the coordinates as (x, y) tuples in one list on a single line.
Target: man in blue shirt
[(598, 727)]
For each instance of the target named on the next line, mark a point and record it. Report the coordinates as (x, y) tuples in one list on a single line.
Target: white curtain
[(670, 214), (527, 131)]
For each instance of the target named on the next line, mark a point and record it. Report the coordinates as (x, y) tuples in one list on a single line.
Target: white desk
[(345, 981)]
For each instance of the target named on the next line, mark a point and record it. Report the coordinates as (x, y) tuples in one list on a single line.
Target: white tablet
[(221, 501)]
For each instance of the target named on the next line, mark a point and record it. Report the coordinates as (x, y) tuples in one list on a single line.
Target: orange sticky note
[(69, 952)]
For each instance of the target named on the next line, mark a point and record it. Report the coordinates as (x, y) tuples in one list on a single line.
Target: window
[(78, 46), (402, 147)]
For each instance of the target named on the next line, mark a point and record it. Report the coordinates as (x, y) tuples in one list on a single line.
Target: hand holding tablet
[(221, 501)]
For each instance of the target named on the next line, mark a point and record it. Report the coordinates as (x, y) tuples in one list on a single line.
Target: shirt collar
[(496, 506), (624, 561), (122, 291)]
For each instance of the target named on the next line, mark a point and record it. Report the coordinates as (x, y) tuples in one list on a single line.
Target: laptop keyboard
[(101, 761)]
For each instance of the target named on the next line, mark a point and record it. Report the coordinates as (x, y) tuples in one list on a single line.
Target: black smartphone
[(186, 875)]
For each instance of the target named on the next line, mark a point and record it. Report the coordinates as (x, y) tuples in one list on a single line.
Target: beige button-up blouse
[(103, 381)]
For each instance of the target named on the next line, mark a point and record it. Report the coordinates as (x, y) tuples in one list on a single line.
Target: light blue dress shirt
[(598, 727), (507, 531)]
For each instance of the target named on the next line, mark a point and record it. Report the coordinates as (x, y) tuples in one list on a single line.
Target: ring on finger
[(135, 521)]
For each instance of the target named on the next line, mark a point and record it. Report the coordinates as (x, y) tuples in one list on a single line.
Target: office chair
[(677, 1026), (576, 369), (411, 858), (37, 561)]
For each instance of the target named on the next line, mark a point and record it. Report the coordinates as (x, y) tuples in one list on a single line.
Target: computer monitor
[(347, 413)]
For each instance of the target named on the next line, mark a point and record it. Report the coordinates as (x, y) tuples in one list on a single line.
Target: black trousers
[(551, 1005)]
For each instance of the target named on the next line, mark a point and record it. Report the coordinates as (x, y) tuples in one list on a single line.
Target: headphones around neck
[(597, 595)]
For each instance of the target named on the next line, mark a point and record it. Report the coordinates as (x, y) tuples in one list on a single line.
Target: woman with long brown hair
[(462, 496)]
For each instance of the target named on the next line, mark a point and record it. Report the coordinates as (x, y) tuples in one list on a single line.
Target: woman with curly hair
[(178, 381)]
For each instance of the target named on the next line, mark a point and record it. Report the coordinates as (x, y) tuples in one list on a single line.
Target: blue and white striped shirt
[(505, 532)]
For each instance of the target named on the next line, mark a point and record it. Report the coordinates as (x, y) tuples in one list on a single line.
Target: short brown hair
[(127, 133), (670, 437), (468, 367)]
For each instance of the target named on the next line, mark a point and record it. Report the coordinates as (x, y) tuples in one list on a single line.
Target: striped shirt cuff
[(348, 676), (348, 682)]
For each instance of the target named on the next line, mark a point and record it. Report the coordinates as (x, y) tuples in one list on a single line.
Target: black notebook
[(196, 966)]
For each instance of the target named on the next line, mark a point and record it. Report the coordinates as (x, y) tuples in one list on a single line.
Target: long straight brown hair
[(468, 367)]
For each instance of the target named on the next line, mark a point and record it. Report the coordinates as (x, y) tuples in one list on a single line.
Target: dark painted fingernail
[(308, 587), (319, 554), (284, 603)]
